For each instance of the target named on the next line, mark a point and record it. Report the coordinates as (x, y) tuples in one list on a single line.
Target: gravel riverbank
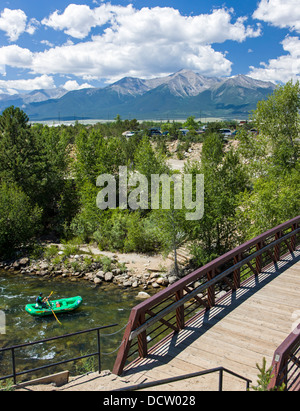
[(98, 267)]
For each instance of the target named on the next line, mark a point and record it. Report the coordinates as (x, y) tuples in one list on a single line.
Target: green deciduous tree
[(272, 201), (19, 220), (171, 226), (272, 158), (224, 179), (146, 161), (95, 155), (37, 160), (18, 152), (191, 124), (54, 190), (278, 122)]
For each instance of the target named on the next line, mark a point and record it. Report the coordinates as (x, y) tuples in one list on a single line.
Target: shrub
[(142, 235), (50, 252), (19, 219)]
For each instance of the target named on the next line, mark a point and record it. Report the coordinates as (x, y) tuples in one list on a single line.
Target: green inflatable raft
[(63, 305)]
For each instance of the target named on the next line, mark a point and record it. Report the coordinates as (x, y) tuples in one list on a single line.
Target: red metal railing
[(286, 363), (171, 308)]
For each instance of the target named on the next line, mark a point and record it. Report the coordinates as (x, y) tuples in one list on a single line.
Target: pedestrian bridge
[(232, 313)]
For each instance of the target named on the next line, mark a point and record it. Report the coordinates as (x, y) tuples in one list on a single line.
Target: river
[(101, 306)]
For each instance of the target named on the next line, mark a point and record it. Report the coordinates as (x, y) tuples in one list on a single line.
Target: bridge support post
[(180, 312), (237, 273), (258, 260), (142, 339), (277, 247), (211, 290), (293, 238)]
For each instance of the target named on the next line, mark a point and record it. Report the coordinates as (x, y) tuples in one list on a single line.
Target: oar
[(51, 308)]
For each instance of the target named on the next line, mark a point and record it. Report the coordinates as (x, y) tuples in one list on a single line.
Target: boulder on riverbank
[(97, 269)]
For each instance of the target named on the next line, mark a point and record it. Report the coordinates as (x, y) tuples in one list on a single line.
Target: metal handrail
[(283, 356), (170, 380), (208, 284), (15, 374)]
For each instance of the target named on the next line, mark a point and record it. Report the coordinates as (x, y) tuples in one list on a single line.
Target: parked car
[(184, 131), (154, 132), (128, 133), (226, 132)]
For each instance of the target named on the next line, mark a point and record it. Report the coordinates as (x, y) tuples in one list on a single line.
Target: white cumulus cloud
[(16, 56), (283, 68), (133, 42), (36, 83), (78, 20), (279, 13), (13, 23), (98, 59), (167, 24), (72, 85), (158, 22)]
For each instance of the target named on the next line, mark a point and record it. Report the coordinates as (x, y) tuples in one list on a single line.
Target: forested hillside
[(48, 181)]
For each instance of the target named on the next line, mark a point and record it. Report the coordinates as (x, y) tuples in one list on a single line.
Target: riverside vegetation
[(48, 189)]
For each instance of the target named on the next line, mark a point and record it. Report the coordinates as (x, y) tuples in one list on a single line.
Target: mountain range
[(23, 99), (179, 95)]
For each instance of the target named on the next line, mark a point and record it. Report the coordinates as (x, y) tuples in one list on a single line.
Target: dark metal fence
[(220, 370), (13, 350)]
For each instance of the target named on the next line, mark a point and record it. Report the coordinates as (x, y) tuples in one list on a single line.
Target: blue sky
[(91, 43)]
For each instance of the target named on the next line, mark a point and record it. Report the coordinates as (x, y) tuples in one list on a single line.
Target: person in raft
[(40, 301)]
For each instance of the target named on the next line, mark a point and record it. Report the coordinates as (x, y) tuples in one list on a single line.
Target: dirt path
[(135, 262)]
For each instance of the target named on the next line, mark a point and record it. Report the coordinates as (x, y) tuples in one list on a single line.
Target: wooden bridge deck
[(236, 334)]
